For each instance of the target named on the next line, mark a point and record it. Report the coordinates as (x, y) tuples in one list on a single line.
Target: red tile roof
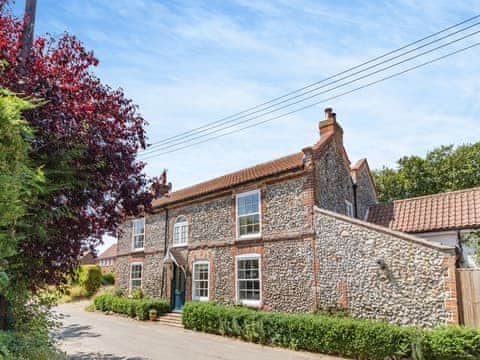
[(445, 211), (109, 253), (274, 167)]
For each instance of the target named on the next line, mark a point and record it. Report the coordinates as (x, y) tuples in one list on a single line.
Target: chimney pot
[(328, 112)]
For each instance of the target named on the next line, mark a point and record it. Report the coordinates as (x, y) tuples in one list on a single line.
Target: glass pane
[(138, 241), (138, 226), (248, 204)]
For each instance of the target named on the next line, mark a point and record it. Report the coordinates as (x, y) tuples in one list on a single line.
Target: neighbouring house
[(87, 258), (443, 218), (286, 235), (106, 260)]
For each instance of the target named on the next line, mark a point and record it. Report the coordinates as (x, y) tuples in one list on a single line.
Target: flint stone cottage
[(286, 235)]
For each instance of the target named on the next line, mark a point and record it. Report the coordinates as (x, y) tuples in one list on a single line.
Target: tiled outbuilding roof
[(109, 253), (445, 211), (274, 167)]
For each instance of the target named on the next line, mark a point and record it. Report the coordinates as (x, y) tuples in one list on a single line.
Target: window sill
[(179, 245), (138, 250), (249, 237), (201, 299), (256, 304)]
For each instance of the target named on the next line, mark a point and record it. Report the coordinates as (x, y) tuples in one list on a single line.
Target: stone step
[(171, 319)]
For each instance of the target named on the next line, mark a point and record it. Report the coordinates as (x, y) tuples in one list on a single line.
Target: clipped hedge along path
[(354, 338), (132, 307)]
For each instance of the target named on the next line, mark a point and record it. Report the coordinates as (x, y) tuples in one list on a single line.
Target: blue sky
[(186, 63)]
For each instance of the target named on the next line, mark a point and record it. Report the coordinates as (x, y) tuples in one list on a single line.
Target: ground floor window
[(136, 276), (248, 279), (200, 283)]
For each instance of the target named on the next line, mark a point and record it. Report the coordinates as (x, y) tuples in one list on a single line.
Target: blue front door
[(178, 289)]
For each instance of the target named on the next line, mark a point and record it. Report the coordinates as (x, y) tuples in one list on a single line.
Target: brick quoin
[(450, 282)]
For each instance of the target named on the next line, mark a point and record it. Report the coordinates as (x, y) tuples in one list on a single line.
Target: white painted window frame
[(349, 209), (200, 298), (134, 234), (179, 226), (249, 303), (131, 272), (249, 236)]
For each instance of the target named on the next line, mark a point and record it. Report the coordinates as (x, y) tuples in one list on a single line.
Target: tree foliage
[(445, 168), (86, 139)]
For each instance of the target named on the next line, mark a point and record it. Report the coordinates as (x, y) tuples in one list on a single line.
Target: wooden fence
[(469, 296)]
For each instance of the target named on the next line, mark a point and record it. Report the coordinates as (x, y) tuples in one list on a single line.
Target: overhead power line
[(261, 107), (276, 108), (323, 100)]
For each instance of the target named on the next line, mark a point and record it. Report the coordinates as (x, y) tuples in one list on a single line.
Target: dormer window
[(180, 231), (248, 214), (138, 233)]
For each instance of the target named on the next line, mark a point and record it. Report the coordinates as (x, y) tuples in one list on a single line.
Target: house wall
[(333, 183), (366, 194), (451, 238), (416, 287), (286, 212)]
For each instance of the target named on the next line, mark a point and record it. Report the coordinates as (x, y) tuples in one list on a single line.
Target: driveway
[(87, 335)]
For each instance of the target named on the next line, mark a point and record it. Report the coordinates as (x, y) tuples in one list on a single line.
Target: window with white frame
[(200, 280), (138, 233), (248, 280), (248, 214), (136, 276), (180, 231), (348, 208)]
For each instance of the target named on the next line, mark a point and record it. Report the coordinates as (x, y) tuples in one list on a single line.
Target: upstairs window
[(138, 233), (136, 276), (180, 231), (348, 208), (248, 214)]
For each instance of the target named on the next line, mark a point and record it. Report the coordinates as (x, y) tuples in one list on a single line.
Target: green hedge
[(355, 338), (132, 307), (90, 277), (108, 278)]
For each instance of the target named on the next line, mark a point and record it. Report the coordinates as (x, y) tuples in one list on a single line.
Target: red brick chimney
[(329, 125)]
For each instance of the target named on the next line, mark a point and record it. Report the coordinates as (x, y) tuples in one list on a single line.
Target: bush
[(356, 338), (451, 343), (132, 307), (108, 279), (91, 278), (137, 293)]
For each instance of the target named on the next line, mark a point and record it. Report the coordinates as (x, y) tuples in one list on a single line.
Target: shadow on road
[(77, 331), (99, 356)]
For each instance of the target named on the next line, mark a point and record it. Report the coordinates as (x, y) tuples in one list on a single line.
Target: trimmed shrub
[(108, 279), (355, 338), (451, 343), (91, 278), (137, 293), (132, 307)]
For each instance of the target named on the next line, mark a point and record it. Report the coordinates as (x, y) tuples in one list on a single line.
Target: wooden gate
[(469, 296)]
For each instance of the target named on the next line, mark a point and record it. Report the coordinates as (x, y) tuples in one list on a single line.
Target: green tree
[(445, 168)]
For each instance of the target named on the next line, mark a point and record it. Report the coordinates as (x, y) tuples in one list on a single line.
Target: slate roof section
[(111, 252), (446, 211)]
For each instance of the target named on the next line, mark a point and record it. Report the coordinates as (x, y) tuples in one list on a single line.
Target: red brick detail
[(201, 255), (343, 291), (242, 250), (450, 283)]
